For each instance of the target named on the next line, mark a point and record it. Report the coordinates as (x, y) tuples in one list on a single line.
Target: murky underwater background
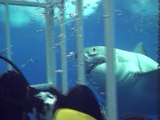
[(135, 21)]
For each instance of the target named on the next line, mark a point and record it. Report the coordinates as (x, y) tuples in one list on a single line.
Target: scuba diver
[(18, 99)]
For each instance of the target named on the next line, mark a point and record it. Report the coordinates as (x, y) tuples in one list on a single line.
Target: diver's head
[(79, 100), (13, 94), (13, 85)]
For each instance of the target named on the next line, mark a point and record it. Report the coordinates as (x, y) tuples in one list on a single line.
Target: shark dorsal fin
[(140, 49)]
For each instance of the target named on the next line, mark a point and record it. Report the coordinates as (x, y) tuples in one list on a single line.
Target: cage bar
[(23, 3), (63, 48), (8, 40), (110, 82), (50, 46), (79, 41), (43, 85)]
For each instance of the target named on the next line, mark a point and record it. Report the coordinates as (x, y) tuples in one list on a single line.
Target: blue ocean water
[(133, 24)]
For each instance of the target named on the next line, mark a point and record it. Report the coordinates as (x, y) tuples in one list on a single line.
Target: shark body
[(136, 76)]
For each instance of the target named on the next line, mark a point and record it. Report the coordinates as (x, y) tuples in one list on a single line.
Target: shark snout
[(86, 57), (92, 58)]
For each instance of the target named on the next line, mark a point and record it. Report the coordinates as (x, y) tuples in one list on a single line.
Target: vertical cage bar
[(111, 88), (63, 48), (8, 42), (79, 41), (158, 60), (50, 50)]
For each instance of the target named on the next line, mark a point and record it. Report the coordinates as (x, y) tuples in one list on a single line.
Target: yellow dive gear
[(70, 114)]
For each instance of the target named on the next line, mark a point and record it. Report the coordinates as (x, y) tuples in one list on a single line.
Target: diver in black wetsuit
[(17, 98)]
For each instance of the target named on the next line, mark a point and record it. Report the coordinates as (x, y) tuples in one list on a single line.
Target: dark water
[(28, 45)]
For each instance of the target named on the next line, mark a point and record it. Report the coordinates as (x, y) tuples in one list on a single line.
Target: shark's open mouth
[(91, 66)]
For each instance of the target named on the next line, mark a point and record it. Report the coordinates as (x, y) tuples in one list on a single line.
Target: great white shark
[(136, 75)]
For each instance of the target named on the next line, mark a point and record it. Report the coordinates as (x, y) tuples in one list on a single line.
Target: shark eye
[(92, 52), (94, 49)]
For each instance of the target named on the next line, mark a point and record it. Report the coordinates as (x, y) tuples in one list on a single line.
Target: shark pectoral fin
[(152, 72), (143, 93), (147, 82)]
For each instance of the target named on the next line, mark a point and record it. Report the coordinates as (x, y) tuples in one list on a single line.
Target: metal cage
[(48, 5)]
